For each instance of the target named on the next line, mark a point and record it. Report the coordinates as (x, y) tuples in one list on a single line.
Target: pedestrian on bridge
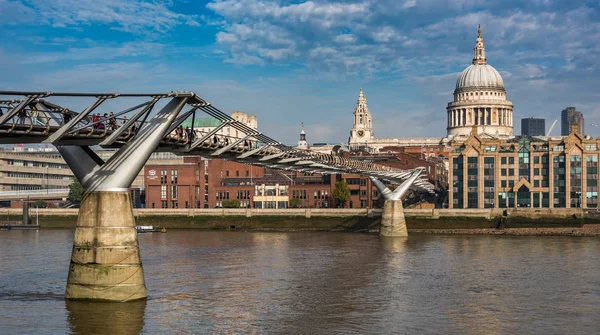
[(66, 114), (34, 113), (21, 116), (113, 121), (188, 133)]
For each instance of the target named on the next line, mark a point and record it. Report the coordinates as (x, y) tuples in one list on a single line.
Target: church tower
[(362, 131), (302, 144)]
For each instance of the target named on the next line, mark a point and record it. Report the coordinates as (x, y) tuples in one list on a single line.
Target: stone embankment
[(526, 221)]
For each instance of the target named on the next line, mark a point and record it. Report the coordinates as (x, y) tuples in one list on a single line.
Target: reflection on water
[(105, 317), (311, 283)]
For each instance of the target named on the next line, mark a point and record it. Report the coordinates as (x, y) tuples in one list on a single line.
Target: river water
[(314, 283)]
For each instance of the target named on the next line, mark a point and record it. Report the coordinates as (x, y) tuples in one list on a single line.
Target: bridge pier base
[(105, 261), (392, 220)]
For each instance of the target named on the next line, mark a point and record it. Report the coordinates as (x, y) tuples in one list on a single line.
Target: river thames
[(314, 283)]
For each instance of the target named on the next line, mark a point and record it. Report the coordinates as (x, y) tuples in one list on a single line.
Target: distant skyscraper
[(533, 126), (569, 116)]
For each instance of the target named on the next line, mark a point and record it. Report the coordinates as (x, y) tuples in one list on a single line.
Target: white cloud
[(137, 16)]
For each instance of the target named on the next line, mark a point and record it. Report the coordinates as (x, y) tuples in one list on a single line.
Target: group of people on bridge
[(108, 121)]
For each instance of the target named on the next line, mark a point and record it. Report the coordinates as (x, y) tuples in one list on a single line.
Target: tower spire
[(479, 50), (302, 143)]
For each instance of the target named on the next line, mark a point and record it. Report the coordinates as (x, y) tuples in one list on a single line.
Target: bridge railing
[(88, 128)]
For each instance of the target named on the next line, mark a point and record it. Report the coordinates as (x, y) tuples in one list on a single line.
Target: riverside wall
[(327, 218)]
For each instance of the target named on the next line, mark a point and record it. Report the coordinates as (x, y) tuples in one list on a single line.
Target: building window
[(488, 182), (457, 182), (472, 182), (591, 181), (174, 204), (503, 160), (237, 173), (511, 160), (163, 192), (163, 176), (173, 176), (575, 178), (559, 181), (227, 173), (152, 203), (173, 192), (247, 173), (164, 204)]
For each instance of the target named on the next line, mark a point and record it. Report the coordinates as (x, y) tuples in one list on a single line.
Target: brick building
[(206, 183)]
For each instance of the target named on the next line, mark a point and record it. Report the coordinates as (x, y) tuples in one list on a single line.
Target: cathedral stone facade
[(480, 100), (479, 105)]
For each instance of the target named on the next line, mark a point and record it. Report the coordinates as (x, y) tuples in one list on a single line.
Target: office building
[(524, 171), (533, 126), (570, 116)]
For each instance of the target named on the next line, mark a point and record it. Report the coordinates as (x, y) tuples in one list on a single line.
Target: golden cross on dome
[(478, 31)]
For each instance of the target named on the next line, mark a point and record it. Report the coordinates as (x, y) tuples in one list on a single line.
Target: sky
[(304, 61)]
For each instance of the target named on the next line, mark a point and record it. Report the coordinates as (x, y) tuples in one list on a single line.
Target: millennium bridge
[(105, 260)]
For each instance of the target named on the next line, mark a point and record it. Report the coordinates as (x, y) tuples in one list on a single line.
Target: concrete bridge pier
[(105, 261), (393, 222)]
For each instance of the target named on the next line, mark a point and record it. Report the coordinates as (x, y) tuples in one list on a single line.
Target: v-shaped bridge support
[(393, 222), (105, 261)]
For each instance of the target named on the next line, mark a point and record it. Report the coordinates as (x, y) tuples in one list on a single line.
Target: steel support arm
[(206, 137), (227, 148), (62, 131), (115, 134), (253, 152), (119, 171)]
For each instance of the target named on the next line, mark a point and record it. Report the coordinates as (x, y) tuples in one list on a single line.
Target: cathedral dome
[(480, 75)]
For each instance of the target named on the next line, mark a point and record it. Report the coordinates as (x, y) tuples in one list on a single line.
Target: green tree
[(294, 203), (233, 203), (75, 191), (40, 204), (341, 193)]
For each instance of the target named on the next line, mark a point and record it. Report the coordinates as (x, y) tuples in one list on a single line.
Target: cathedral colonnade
[(480, 116)]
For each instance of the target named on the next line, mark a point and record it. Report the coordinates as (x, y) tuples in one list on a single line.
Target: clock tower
[(362, 131)]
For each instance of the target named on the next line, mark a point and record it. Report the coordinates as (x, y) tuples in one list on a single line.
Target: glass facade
[(559, 182), (472, 182), (591, 166), (457, 181), (575, 180), (488, 182)]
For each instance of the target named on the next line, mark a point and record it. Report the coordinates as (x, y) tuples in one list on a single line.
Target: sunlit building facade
[(524, 171)]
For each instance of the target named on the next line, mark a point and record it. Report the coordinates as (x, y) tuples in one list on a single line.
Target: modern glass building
[(525, 171), (533, 126)]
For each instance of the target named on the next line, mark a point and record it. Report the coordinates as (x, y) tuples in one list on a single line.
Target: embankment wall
[(325, 219)]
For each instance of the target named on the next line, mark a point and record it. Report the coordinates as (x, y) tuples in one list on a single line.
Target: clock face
[(360, 133)]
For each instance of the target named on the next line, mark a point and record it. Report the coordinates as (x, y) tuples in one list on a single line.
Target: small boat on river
[(149, 229)]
